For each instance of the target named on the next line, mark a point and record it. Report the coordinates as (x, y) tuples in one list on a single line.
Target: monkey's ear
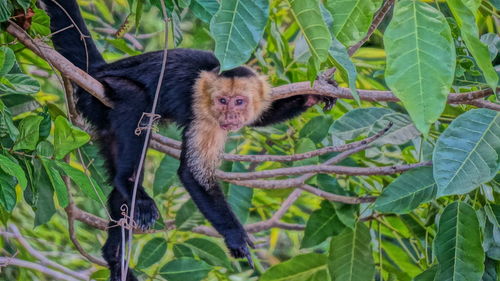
[(216, 70), (204, 81), (266, 88)]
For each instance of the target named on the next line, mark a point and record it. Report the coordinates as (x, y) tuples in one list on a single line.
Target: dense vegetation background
[(374, 210)]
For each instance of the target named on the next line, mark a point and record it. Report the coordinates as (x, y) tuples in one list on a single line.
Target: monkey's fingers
[(249, 259), (329, 103)]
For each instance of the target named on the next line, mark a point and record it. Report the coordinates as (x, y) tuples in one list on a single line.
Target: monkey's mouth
[(230, 126)]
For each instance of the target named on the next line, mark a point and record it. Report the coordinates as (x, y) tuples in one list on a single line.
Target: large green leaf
[(152, 252), (467, 153), (357, 122), (208, 251), (299, 268), (87, 184), (44, 209), (7, 192), (409, 190), (322, 224), (56, 181), (428, 275), (7, 60), (67, 137), (420, 60), (240, 197), (13, 169), (204, 9), (401, 131), (351, 18), (236, 28), (184, 269), (188, 216), (307, 15), (29, 133), (339, 56), (316, 129), (18, 84), (458, 244), (351, 255), (5, 10), (165, 175), (464, 15)]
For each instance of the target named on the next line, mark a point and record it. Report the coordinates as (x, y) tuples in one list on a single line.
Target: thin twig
[(377, 19), (7, 261), (41, 258)]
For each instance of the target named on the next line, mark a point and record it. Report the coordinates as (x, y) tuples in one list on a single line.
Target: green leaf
[(7, 60), (185, 269), (428, 275), (165, 175), (351, 18), (239, 197), (44, 209), (357, 122), (188, 216), (407, 192), (88, 185), (307, 15), (18, 84), (458, 244), (420, 60), (208, 251), (298, 268), (7, 192), (40, 23), (468, 152), (29, 133), (67, 137), (204, 9), (182, 251), (401, 132), (236, 28), (12, 168), (305, 145), (322, 224), (152, 252), (5, 10), (316, 129), (56, 181), (24, 3), (351, 255), (340, 58), (464, 15)]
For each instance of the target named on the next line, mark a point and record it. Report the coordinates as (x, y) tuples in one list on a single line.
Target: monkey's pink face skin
[(233, 111)]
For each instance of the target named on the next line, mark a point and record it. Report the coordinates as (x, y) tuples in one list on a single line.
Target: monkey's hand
[(315, 99), (146, 213), (238, 241)]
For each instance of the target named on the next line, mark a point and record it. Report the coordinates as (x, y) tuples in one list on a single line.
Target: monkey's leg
[(215, 208), (111, 251), (124, 118)]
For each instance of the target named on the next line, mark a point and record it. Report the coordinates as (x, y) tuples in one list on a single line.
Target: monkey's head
[(232, 99)]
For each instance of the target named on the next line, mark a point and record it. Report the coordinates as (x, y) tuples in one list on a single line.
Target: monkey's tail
[(70, 36)]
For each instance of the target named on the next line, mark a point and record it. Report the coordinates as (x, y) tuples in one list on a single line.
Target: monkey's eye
[(239, 102), (223, 100)]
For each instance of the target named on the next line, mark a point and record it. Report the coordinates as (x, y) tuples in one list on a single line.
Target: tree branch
[(377, 19), (7, 261)]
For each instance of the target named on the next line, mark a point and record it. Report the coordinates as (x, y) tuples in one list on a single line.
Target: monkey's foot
[(238, 246), (146, 212)]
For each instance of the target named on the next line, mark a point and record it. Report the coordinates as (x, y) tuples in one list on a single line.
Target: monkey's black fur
[(130, 84)]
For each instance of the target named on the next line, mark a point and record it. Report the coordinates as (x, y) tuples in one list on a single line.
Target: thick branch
[(96, 89)]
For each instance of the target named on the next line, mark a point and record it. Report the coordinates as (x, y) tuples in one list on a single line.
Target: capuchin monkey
[(203, 101)]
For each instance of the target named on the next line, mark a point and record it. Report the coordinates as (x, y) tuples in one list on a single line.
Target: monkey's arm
[(288, 108), (211, 202)]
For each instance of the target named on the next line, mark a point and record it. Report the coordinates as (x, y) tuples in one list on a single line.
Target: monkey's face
[(231, 102), (231, 111)]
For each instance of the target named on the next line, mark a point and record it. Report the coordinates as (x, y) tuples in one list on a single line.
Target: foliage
[(430, 223)]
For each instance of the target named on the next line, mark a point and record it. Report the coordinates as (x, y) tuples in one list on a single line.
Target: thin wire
[(146, 144)]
